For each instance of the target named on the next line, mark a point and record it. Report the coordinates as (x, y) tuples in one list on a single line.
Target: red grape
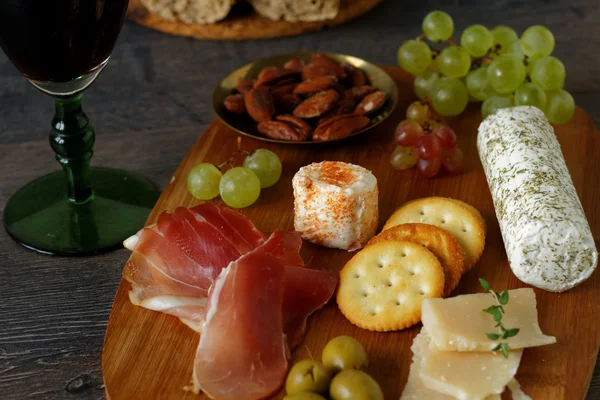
[(453, 160), (407, 133), (428, 147), (429, 168), (446, 135)]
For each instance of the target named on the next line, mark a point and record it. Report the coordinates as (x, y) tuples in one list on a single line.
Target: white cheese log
[(546, 235)]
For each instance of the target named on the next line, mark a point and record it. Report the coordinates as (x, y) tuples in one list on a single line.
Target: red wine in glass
[(61, 46), (59, 40)]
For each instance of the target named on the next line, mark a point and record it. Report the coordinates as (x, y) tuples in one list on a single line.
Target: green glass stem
[(72, 139)]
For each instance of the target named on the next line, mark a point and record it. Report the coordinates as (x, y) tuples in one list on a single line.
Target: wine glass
[(61, 46)]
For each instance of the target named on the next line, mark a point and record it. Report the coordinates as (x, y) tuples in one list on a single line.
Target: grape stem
[(231, 160)]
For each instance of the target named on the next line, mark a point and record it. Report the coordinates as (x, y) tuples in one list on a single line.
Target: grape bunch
[(426, 142), (240, 186), (494, 67)]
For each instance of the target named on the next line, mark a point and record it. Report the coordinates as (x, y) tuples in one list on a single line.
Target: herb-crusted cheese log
[(546, 235)]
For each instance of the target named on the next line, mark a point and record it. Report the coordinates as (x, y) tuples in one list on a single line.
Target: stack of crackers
[(423, 251)]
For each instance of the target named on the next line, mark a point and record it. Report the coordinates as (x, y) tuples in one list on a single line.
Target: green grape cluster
[(240, 186), (492, 66)]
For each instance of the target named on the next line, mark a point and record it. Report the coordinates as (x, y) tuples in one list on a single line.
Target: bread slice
[(297, 10), (190, 11)]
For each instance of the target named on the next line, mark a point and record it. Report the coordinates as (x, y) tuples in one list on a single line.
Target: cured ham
[(305, 291), (249, 297), (175, 261), (242, 352)]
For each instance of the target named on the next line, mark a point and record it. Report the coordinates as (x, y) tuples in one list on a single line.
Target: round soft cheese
[(336, 204)]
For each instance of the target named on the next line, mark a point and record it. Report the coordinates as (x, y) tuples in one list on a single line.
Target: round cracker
[(441, 243), (449, 215), (475, 211), (382, 287)]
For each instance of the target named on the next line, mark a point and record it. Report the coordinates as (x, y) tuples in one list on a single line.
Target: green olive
[(352, 384), (308, 376), (344, 352), (304, 396)]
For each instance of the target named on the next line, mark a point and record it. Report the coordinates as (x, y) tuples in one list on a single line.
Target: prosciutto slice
[(175, 261), (305, 291), (242, 352)]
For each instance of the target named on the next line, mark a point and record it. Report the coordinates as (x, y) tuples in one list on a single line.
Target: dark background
[(150, 104)]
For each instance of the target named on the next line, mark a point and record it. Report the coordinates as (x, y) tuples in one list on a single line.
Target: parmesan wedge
[(415, 389), (516, 391), (467, 376), (459, 324)]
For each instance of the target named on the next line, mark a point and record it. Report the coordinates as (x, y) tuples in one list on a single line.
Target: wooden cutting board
[(243, 23), (149, 355)]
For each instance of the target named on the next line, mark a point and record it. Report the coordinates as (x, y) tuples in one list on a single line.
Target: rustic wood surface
[(137, 358), (243, 23), (149, 106)]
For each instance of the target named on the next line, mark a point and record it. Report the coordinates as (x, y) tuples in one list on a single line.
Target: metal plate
[(245, 125)]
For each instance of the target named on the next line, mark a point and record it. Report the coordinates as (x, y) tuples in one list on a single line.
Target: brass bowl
[(245, 125)]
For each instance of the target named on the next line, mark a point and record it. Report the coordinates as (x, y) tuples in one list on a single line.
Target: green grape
[(506, 74), (515, 49), (477, 40), (414, 56), (240, 187), (548, 73), (438, 26), (530, 94), (537, 42), (203, 181), (454, 61), (424, 83), (450, 96), (495, 103), (503, 37), (266, 165), (434, 67), (560, 106), (478, 85)]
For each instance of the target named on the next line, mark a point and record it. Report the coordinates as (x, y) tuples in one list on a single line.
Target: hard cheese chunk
[(415, 388), (459, 324), (468, 376)]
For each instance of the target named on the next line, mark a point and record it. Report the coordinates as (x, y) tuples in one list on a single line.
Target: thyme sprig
[(497, 311)]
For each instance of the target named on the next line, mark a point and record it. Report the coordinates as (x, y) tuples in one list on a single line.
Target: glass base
[(40, 217)]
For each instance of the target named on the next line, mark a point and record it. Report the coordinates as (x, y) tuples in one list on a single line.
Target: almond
[(299, 125), (343, 106), (317, 84), (371, 103), (285, 103), (317, 105), (235, 103), (313, 70), (271, 75), (340, 127), (259, 104), (356, 77), (357, 93), (280, 89), (244, 85), (294, 65), (320, 58), (280, 131)]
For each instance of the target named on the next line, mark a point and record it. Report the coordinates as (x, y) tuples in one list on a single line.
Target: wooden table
[(148, 107)]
